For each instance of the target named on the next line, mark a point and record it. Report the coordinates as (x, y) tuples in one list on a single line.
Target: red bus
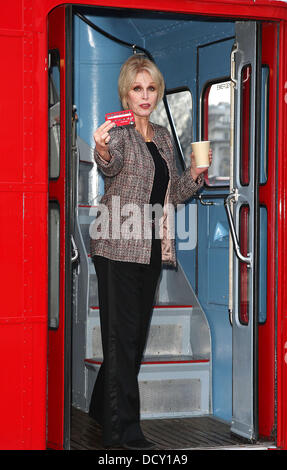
[(217, 352)]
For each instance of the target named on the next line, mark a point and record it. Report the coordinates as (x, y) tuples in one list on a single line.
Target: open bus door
[(243, 216), (60, 227)]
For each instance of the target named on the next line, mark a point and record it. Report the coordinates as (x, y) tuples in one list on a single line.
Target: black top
[(161, 176), (160, 182)]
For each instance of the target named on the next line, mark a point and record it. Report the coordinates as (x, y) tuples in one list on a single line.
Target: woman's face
[(142, 97)]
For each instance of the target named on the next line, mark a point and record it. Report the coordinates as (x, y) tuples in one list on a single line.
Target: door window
[(54, 264), (180, 104), (180, 107), (244, 271), (54, 172), (245, 125), (264, 124), (54, 114), (216, 128), (263, 265)]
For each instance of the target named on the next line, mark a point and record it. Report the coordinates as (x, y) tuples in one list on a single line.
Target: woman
[(140, 172)]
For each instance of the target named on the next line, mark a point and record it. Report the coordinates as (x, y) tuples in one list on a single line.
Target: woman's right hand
[(102, 138)]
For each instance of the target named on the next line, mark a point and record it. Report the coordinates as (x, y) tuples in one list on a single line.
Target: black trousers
[(126, 299)]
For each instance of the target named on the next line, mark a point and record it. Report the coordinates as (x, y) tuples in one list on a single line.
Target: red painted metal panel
[(57, 190), (282, 245), (22, 384), (11, 108), (233, 8), (12, 15), (11, 205), (267, 197), (23, 235), (34, 320), (23, 316)]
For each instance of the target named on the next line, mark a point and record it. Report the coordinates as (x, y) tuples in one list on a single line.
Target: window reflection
[(264, 124), (180, 106), (245, 125), (216, 116), (54, 264), (54, 114), (244, 271)]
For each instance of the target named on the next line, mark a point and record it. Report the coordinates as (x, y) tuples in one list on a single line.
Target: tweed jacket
[(129, 176)]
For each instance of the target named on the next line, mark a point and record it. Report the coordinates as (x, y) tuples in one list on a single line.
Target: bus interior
[(201, 379)]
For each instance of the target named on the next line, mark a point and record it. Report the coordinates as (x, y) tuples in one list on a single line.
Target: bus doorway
[(62, 254), (194, 342)]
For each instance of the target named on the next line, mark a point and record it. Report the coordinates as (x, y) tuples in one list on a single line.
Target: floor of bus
[(178, 433)]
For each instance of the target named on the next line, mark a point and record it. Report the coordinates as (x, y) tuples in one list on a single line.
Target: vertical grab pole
[(232, 87)]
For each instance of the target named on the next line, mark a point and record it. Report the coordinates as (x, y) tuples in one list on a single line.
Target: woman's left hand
[(194, 171)]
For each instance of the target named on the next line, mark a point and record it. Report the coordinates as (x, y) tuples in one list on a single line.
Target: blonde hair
[(130, 69)]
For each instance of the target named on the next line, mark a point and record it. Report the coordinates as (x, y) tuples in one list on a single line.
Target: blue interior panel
[(213, 246), (181, 48)]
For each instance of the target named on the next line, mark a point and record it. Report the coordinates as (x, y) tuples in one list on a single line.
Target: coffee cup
[(200, 150)]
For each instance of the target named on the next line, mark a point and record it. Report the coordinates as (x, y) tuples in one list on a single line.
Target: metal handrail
[(75, 255), (227, 201)]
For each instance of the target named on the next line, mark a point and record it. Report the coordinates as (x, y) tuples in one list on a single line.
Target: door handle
[(233, 197), (205, 203), (232, 64), (75, 255)]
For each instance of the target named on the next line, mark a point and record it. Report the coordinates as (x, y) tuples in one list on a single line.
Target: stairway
[(173, 382)]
